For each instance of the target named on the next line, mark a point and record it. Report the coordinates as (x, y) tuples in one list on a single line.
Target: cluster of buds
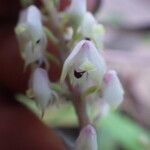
[(33, 42), (87, 69), (85, 66), (84, 23)]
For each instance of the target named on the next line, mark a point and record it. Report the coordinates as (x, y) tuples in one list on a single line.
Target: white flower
[(30, 35), (87, 139), (85, 65), (91, 29), (76, 12), (112, 91), (40, 86)]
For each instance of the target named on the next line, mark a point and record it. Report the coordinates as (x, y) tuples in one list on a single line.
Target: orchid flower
[(30, 35), (85, 65), (76, 12), (91, 29), (87, 139), (112, 91), (40, 86)]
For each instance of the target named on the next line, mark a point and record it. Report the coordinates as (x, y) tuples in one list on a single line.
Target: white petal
[(84, 52), (112, 89), (30, 35), (90, 28), (86, 25), (96, 58), (87, 139), (41, 87), (34, 16), (76, 11), (70, 61)]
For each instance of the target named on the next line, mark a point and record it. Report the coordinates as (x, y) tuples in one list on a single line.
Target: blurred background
[(127, 44), (127, 49)]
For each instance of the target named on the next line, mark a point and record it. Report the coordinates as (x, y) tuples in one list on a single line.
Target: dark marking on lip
[(78, 75), (88, 39), (38, 41)]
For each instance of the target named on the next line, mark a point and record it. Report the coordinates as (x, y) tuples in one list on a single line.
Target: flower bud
[(85, 65), (87, 139), (112, 91), (91, 29), (40, 86), (68, 34), (30, 35), (76, 12)]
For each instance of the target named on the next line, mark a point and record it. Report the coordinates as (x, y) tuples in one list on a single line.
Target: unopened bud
[(40, 86), (112, 89), (87, 139), (90, 28), (76, 12), (30, 35)]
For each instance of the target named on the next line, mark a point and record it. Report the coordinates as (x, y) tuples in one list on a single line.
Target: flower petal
[(70, 61), (90, 28), (30, 34), (87, 139), (40, 86), (112, 89), (76, 12), (84, 56)]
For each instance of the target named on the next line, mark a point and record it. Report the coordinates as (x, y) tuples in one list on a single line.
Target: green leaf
[(29, 103), (123, 131), (56, 116), (61, 116)]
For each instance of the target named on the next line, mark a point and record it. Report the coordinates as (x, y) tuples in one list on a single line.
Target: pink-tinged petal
[(87, 139), (113, 92)]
